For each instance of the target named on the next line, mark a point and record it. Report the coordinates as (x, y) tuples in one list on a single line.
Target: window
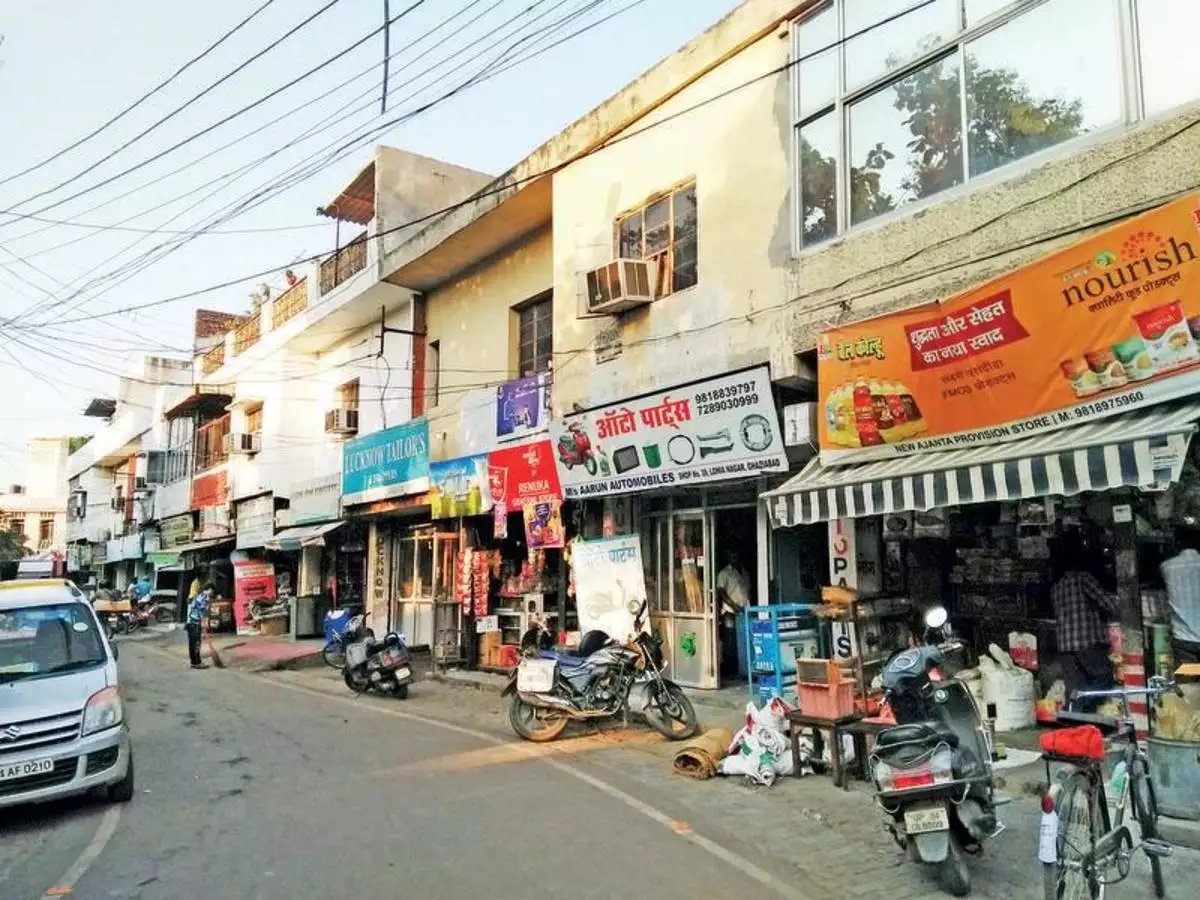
[(45, 533), (348, 395), (210, 443), (179, 450), (894, 103), (17, 525), (535, 322), (663, 231), (254, 419), (433, 373)]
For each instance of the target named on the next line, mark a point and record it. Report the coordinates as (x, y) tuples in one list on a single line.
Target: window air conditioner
[(341, 421), (620, 285), (149, 469), (243, 442)]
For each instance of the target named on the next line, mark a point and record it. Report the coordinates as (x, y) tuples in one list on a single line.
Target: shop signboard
[(610, 584), (214, 523), (255, 523), (523, 474), (459, 487), (389, 463), (210, 489), (99, 553), (843, 572), (316, 500), (522, 407), (252, 581), (1108, 325), (703, 431), (175, 531)]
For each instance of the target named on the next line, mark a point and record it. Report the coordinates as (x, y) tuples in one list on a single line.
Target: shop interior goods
[(701, 757)]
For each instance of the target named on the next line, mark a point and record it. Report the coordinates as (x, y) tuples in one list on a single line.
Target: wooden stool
[(797, 719)]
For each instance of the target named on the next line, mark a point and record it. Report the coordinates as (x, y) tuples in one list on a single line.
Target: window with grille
[(535, 325), (664, 232), (348, 395), (254, 420)]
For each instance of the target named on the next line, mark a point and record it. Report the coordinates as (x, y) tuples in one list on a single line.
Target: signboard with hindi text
[(710, 430), (1107, 325)]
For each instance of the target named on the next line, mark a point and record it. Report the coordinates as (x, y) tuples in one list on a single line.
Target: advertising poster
[(522, 407), (1108, 325), (543, 525), (609, 584), (459, 487), (389, 463), (252, 580), (522, 474), (709, 430)]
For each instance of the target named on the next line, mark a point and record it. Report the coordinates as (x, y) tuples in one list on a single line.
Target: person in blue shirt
[(197, 623), (142, 588)]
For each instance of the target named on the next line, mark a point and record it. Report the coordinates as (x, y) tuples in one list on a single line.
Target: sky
[(65, 69)]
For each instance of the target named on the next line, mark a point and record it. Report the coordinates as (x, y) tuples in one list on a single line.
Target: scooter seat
[(918, 732), (568, 660)]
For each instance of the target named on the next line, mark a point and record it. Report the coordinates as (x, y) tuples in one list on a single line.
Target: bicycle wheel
[(334, 654), (1079, 827), (1145, 810)]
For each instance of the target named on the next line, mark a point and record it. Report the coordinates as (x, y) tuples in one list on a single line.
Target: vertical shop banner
[(522, 474), (252, 581), (543, 525), (1110, 324), (459, 487), (843, 572), (522, 407), (389, 463), (709, 430), (610, 584)]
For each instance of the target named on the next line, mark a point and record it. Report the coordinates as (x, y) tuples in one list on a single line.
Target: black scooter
[(383, 666), (933, 771)]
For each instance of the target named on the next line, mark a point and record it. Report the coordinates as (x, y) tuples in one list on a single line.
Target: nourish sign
[(389, 463)]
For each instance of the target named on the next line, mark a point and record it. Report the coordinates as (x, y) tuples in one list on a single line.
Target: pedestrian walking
[(197, 623)]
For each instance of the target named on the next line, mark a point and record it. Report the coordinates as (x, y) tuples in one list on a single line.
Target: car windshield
[(41, 640)]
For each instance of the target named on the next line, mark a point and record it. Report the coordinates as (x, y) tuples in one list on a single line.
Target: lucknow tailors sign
[(1110, 324)]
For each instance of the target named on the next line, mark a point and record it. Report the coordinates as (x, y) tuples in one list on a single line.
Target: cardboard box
[(489, 648)]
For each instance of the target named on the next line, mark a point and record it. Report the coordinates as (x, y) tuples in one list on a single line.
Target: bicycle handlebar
[(1158, 685)]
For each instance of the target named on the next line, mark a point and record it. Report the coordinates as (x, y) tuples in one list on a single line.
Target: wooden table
[(797, 720), (858, 731)]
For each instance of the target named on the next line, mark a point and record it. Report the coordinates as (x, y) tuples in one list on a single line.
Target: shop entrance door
[(681, 597)]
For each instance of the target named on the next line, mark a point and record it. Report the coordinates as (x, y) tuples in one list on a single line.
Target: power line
[(140, 100)]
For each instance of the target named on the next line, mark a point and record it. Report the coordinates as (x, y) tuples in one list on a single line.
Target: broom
[(212, 651)]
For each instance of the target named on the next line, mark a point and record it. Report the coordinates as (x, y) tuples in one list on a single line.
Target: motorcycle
[(575, 449), (933, 770), (548, 689), (150, 609), (373, 665)]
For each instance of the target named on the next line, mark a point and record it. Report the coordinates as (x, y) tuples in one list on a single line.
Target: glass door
[(692, 650)]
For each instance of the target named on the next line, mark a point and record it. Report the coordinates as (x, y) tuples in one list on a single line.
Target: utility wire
[(140, 100)]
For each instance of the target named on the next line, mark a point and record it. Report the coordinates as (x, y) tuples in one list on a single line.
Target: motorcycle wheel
[(402, 691), (163, 615), (357, 683), (131, 625), (334, 655), (953, 875), (671, 713), (525, 722)]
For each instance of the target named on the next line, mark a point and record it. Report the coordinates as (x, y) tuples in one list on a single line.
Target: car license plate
[(25, 769), (922, 821), (406, 672)]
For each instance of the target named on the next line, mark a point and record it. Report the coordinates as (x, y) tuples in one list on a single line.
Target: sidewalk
[(254, 653)]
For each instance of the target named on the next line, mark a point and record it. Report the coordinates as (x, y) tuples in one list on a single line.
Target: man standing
[(733, 590), (1082, 608), (1181, 573), (197, 624)]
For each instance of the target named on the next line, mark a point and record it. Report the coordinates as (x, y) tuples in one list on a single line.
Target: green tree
[(12, 545), (75, 443)]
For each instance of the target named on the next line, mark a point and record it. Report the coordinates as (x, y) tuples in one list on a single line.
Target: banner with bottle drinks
[(459, 487), (1107, 325), (708, 430)]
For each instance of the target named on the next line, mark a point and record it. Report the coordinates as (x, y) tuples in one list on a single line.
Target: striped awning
[(1139, 449)]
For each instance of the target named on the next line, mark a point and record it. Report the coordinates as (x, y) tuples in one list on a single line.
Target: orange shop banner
[(1110, 324)]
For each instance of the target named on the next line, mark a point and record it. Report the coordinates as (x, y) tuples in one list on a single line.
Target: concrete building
[(37, 508)]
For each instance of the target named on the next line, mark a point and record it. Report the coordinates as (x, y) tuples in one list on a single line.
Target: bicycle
[(1081, 842)]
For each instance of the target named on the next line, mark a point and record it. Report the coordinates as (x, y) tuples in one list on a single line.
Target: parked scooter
[(933, 771), (575, 449), (374, 665)]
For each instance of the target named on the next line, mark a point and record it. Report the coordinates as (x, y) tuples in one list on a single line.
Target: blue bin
[(335, 623)]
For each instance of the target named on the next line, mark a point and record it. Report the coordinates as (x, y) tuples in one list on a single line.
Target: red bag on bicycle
[(1080, 742)]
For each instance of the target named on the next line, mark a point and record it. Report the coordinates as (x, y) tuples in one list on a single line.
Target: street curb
[(466, 683)]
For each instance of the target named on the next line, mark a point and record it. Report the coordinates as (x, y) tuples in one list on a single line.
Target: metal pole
[(387, 34)]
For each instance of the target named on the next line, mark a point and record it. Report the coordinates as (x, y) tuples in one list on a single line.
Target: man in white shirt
[(733, 592), (1182, 576)]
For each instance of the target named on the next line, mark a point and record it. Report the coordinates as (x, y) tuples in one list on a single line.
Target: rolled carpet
[(699, 758)]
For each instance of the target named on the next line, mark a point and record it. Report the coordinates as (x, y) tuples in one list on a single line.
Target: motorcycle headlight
[(103, 711)]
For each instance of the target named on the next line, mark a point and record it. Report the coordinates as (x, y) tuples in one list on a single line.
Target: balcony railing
[(211, 447), (213, 359), (348, 261), (290, 303), (247, 334)]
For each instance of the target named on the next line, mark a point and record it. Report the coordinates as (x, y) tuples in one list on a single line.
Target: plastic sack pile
[(761, 751)]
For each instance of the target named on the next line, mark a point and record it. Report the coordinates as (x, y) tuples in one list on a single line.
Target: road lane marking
[(108, 825), (539, 752)]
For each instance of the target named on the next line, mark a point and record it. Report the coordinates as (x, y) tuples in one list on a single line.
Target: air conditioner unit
[(620, 285), (244, 442), (149, 469), (341, 421)]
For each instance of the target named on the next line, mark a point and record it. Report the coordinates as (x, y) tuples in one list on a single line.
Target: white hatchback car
[(62, 724)]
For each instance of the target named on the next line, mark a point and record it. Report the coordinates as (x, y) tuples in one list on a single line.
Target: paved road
[(249, 789)]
